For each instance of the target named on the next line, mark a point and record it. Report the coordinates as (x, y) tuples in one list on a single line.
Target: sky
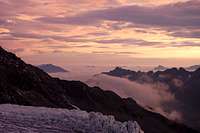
[(102, 32)]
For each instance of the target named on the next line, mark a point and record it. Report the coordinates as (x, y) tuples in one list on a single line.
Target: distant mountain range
[(192, 68), (50, 68), (160, 68), (163, 68), (24, 84), (183, 84)]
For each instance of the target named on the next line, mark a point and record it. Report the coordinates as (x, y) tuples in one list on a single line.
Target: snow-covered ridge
[(14, 118)]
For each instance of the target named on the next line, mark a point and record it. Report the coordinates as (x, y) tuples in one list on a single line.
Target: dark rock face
[(184, 85), (25, 84), (49, 68)]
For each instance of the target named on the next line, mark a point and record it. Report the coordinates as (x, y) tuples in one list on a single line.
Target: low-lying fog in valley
[(151, 96), (85, 72)]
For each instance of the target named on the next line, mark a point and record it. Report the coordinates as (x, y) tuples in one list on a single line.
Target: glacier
[(27, 119)]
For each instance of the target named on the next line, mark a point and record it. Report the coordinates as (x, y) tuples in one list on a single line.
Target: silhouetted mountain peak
[(9, 58), (182, 69), (193, 68), (50, 68), (160, 68), (172, 70), (118, 69)]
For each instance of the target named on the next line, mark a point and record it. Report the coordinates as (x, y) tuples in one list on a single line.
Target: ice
[(23, 119)]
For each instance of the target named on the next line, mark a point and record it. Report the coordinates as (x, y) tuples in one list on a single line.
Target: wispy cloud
[(149, 27), (179, 14)]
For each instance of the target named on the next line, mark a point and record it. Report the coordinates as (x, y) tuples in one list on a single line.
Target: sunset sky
[(124, 32)]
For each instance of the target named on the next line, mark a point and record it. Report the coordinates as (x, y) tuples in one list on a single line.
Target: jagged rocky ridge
[(163, 68), (25, 84), (193, 68), (25, 119), (183, 84)]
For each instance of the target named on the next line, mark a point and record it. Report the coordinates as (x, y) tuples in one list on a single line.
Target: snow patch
[(15, 118)]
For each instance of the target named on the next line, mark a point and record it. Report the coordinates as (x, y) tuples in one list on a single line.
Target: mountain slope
[(25, 84), (49, 68)]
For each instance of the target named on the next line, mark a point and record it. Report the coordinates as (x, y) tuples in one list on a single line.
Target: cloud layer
[(149, 95), (179, 15), (164, 29)]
